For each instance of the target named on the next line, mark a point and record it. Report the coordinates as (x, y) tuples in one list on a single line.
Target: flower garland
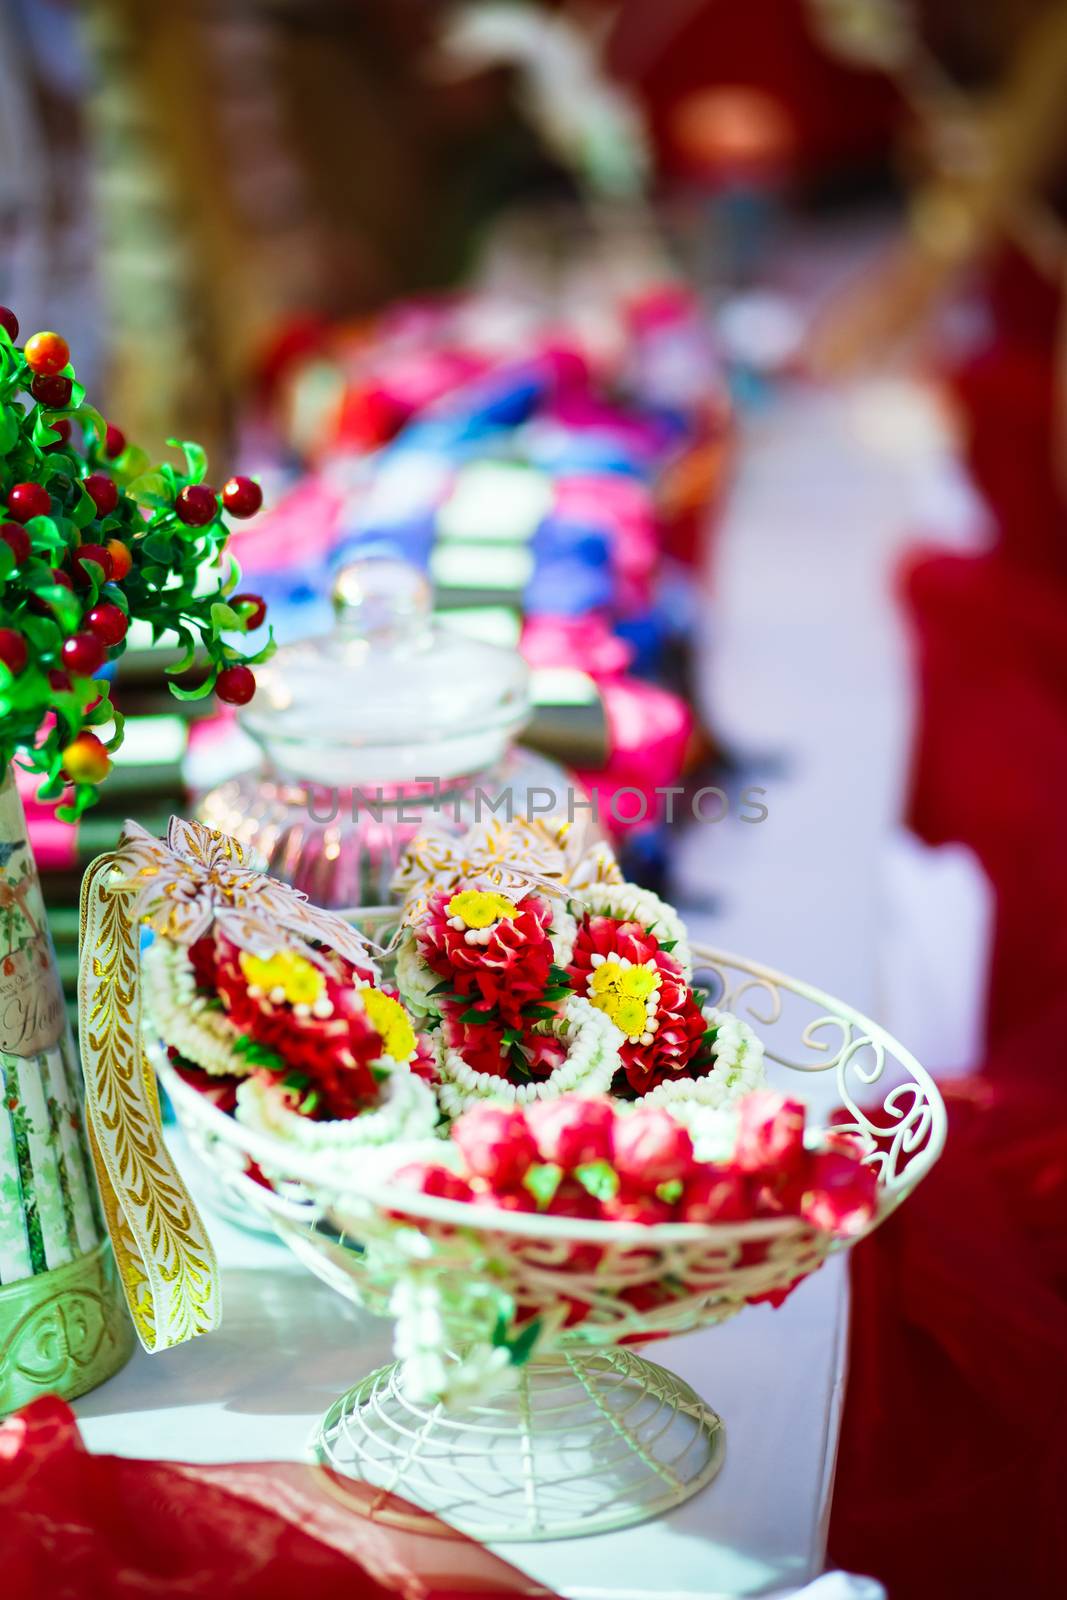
[(589, 1060), (496, 950), (626, 902), (735, 1066), (405, 1111), (94, 537), (192, 1022), (327, 1058)]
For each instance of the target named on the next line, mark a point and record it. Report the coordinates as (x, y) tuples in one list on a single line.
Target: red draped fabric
[(82, 1527), (954, 1447)]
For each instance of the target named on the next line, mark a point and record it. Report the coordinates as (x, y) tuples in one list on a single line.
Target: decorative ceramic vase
[(63, 1327)]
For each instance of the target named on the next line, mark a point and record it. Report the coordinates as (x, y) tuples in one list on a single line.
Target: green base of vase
[(62, 1332)]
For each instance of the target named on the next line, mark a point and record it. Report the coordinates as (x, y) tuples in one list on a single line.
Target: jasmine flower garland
[(588, 1062)]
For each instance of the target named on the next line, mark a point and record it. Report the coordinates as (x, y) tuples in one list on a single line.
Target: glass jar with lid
[(387, 723)]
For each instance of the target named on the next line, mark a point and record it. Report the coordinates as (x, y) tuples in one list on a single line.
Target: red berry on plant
[(197, 505), (121, 559), (256, 614), (9, 322), (103, 491), (13, 651), (114, 442), (52, 390), (241, 496), (62, 427), (108, 622), (98, 554), (84, 654), (59, 681), (17, 540), (46, 353), (28, 500), (236, 685), (85, 759)]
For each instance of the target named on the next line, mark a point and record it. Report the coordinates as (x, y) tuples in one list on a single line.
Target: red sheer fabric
[(83, 1527), (953, 1452), (954, 1445)]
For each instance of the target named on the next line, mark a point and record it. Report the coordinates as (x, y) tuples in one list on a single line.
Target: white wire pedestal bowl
[(594, 1436)]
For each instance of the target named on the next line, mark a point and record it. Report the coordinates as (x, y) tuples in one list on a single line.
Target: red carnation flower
[(621, 968), (494, 951), (481, 1044), (330, 1042)]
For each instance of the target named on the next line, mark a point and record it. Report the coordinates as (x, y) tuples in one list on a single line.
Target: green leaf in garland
[(599, 1179), (158, 546), (522, 1346), (233, 577), (542, 1180)]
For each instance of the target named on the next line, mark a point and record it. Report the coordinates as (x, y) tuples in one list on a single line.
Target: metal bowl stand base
[(587, 1442)]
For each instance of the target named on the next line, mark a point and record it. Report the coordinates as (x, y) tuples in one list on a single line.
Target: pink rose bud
[(716, 1194), (770, 1133), (650, 1148), (436, 1181), (496, 1144), (838, 1195), (572, 1131)]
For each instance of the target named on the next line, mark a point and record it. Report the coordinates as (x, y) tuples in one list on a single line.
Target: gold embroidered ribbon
[(180, 888)]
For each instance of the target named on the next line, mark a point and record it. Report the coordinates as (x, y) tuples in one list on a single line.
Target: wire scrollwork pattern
[(887, 1100)]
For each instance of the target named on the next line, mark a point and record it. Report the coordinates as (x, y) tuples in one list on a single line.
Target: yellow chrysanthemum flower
[(299, 980), (478, 908), (388, 1017), (623, 994)]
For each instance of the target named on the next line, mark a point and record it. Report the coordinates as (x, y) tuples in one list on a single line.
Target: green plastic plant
[(93, 537)]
